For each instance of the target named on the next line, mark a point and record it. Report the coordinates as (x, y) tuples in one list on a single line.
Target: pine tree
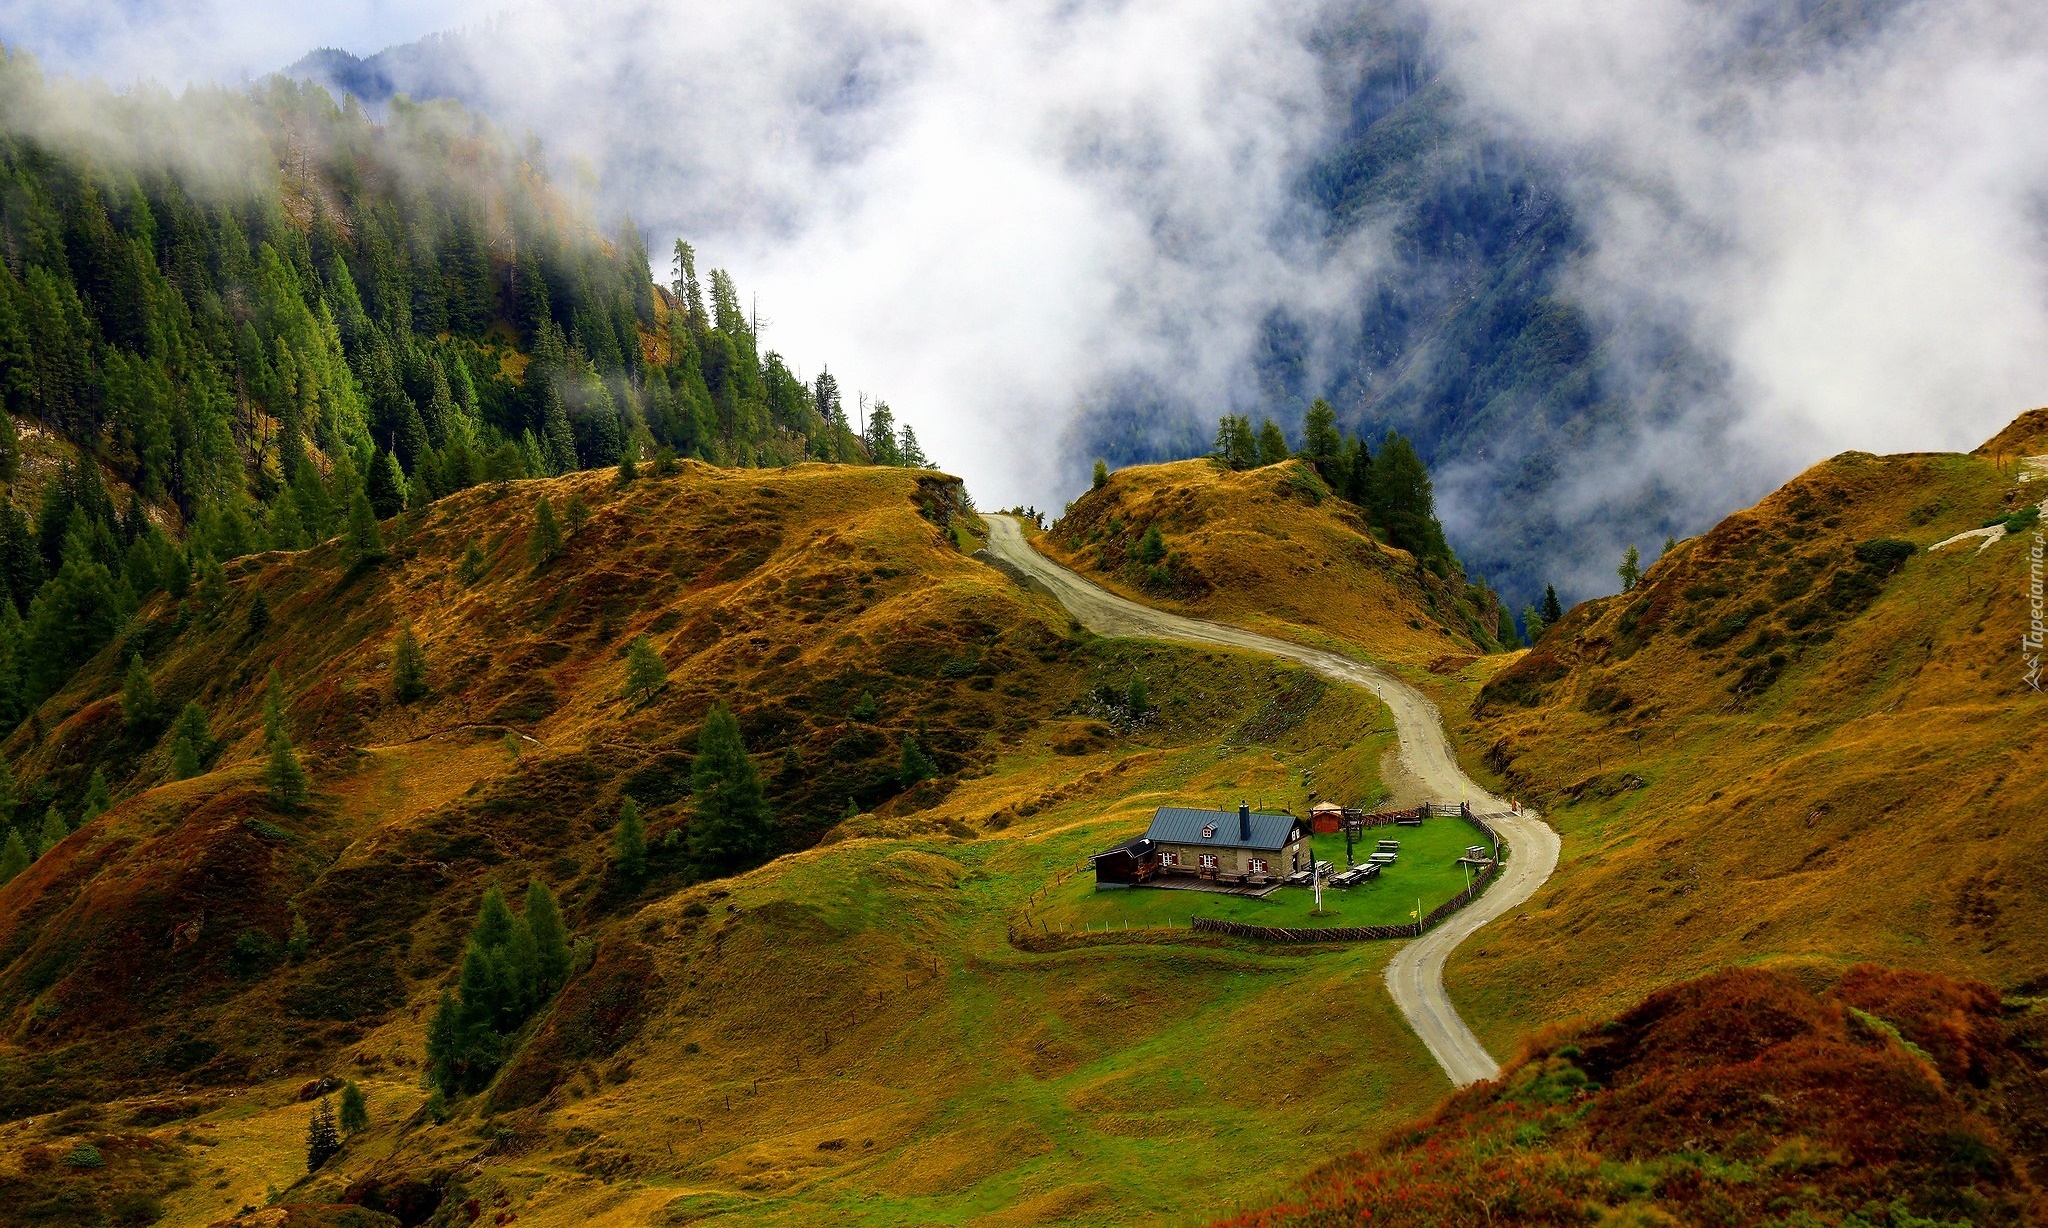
[(646, 673), (365, 544), (550, 936), (274, 706), (98, 798), (53, 832), (192, 743), (1101, 475), (14, 856), (386, 486), (729, 827), (355, 1110), (1552, 610), (287, 780), (138, 698), (472, 567), (323, 1138), (629, 843), (1272, 444), (1152, 547), (408, 666), (910, 450), (1404, 501), (1631, 569), (545, 542), (300, 943)]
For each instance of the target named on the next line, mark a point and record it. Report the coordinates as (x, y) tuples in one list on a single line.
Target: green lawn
[(1428, 869)]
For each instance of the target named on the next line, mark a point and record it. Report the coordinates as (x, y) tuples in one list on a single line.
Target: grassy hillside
[(842, 1035), (1803, 734), (1269, 548), (1746, 1097)]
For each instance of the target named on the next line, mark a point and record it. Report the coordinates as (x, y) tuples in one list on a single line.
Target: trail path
[(1416, 975)]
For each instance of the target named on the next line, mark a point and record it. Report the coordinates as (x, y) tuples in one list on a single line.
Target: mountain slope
[(1804, 734), (1269, 548)]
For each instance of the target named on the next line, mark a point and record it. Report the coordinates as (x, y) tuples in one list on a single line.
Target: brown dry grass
[(1866, 785), (1270, 549)]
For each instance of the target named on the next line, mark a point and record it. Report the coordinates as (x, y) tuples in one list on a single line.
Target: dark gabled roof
[(1135, 847), (1180, 825)]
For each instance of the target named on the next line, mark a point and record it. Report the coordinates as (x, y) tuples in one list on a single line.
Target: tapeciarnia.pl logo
[(2030, 643)]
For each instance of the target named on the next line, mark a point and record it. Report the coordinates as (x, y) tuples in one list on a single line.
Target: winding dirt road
[(1416, 975)]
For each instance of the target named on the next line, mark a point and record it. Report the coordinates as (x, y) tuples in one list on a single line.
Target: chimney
[(1244, 822)]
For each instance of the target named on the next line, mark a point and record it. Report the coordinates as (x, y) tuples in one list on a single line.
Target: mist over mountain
[(1615, 268)]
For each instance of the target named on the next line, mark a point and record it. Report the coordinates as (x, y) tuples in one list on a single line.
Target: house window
[(1169, 859), (1209, 831), (1258, 865), (1208, 861)]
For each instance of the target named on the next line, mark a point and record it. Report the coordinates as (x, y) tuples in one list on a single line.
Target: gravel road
[(1416, 975)]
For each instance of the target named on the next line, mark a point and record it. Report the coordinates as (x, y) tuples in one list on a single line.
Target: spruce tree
[(545, 542), (98, 799), (259, 616), (1404, 501), (287, 780), (1151, 547), (1137, 699), (138, 698), (1533, 624), (192, 744), (53, 832), (1272, 443), (629, 467), (629, 843), (550, 936), (14, 856), (729, 827), (355, 1110), (386, 486), (323, 1138), (300, 942), (1552, 609), (365, 542), (1101, 475), (1631, 569), (915, 766), (646, 673), (1322, 443), (274, 706), (1236, 446), (408, 666)]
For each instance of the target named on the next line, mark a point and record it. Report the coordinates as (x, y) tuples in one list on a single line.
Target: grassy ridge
[(1778, 749)]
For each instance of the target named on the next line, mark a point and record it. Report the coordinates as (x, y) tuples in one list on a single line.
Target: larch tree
[(729, 825)]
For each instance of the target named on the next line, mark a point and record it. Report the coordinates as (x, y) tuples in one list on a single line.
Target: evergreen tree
[(729, 828), (1534, 624), (1552, 609), (300, 943), (1151, 547), (1101, 475), (646, 672), (138, 698), (408, 666), (1404, 502), (545, 542), (550, 936), (386, 486), (365, 544), (53, 832), (287, 780), (1272, 444), (1358, 462), (98, 798), (1631, 569), (323, 1139), (1236, 446), (1137, 699), (911, 452), (274, 706), (576, 515), (1323, 444), (192, 743), (14, 856), (881, 437), (10, 795), (472, 567), (259, 616), (629, 843), (503, 467), (355, 1110), (629, 468), (915, 766)]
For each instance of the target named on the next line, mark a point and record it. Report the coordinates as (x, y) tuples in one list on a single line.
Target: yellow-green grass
[(1427, 871)]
